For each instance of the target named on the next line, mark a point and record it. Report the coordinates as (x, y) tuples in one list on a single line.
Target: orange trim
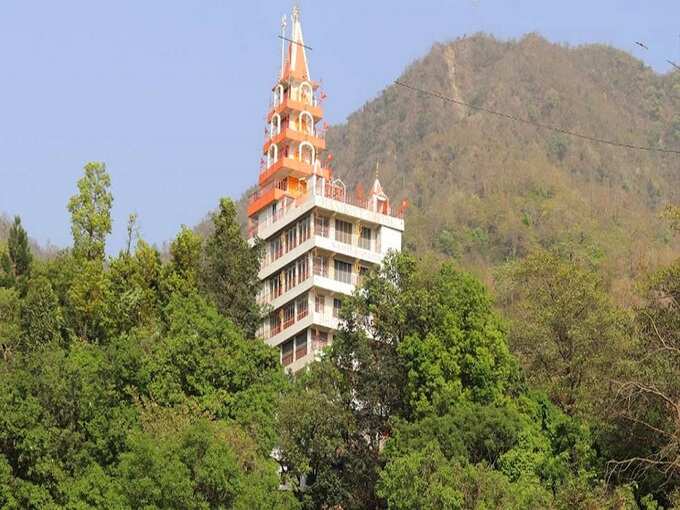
[(298, 106), (264, 200), (297, 136), (290, 167)]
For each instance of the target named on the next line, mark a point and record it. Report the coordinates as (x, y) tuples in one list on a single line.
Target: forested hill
[(484, 189)]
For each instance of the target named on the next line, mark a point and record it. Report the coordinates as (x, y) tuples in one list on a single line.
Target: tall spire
[(297, 56)]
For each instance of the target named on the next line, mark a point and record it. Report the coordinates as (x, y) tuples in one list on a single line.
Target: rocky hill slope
[(484, 189)]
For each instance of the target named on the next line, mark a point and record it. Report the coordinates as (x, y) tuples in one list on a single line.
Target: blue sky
[(171, 94)]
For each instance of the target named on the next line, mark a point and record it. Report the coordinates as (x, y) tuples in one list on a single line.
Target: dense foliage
[(121, 383), (135, 380)]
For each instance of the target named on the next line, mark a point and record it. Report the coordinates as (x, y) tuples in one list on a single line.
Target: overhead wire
[(541, 125)]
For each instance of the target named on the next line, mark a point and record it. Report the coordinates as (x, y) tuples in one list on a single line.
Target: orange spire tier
[(319, 238)]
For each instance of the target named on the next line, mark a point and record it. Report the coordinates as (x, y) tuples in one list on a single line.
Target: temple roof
[(296, 58)]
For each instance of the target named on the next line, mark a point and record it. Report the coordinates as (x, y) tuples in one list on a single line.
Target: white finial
[(296, 13), (283, 43)]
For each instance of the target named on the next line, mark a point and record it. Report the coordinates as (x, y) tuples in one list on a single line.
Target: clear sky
[(171, 94)]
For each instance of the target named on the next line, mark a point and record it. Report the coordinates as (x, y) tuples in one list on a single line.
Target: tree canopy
[(136, 381)]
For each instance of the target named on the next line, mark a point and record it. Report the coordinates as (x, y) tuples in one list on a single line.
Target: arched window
[(306, 92), (272, 155), (275, 127), (306, 153), (278, 95), (306, 123)]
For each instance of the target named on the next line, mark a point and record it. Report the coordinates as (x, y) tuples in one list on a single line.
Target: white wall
[(390, 239)]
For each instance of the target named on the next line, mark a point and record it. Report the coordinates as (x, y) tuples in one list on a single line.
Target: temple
[(320, 239)]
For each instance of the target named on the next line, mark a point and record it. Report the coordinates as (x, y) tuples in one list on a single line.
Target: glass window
[(275, 286), (291, 238), (343, 271), (303, 268), (287, 349), (275, 248), (319, 303), (321, 225), (337, 304), (289, 276), (302, 306), (319, 339), (321, 266), (304, 227), (274, 323), (301, 345), (343, 231), (365, 238), (288, 315)]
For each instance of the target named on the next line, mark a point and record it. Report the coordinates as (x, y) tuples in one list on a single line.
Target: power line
[(536, 124), (294, 42), (673, 64), (642, 45)]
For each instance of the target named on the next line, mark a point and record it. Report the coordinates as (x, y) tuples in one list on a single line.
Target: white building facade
[(319, 238)]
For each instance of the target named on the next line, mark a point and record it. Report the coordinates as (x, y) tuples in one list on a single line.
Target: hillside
[(483, 189)]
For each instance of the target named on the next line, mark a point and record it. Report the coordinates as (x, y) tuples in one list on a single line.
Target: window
[(275, 248), (337, 304), (319, 339), (319, 304), (302, 306), (321, 266), (274, 324), (291, 239), (343, 271), (301, 345), (363, 271), (275, 286), (304, 227), (302, 268), (287, 352), (365, 238), (288, 315), (343, 231), (321, 225), (289, 276)]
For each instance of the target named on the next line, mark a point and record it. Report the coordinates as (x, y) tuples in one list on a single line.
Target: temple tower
[(319, 237)]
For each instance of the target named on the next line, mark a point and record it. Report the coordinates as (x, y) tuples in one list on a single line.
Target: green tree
[(10, 325), (649, 392), (565, 329), (181, 273), (229, 270), (205, 465), (91, 212), (86, 297), (203, 358), (16, 261), (41, 317), (133, 290), (414, 341)]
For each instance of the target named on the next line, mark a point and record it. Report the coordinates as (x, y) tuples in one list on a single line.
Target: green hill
[(483, 189)]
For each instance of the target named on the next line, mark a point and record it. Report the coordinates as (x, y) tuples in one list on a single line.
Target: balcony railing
[(326, 190), (295, 96), (289, 322), (267, 296)]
